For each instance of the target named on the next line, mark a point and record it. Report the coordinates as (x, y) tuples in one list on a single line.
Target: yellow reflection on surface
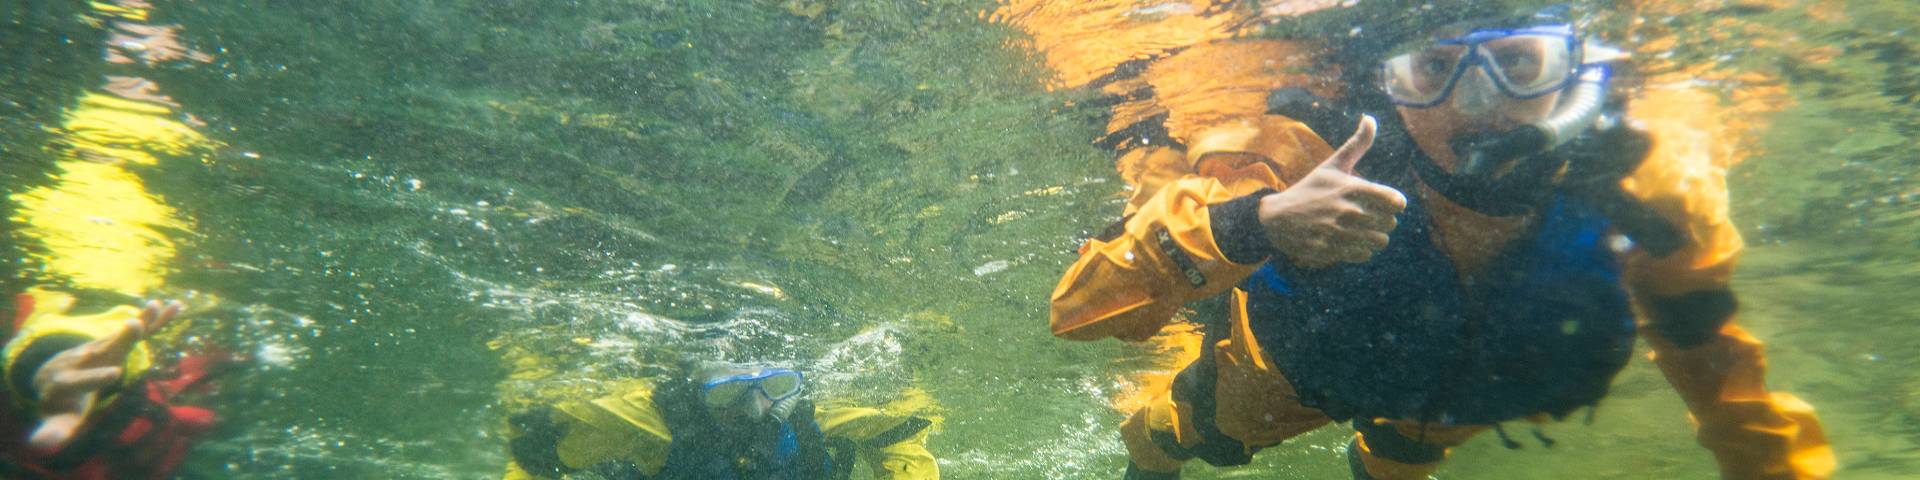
[(108, 129), (123, 10), (96, 224), (1085, 40), (1214, 83)]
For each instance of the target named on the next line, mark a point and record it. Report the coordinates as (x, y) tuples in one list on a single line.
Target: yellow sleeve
[(894, 447), (905, 460), (1148, 170), (1717, 367), (578, 435), (44, 316), (1129, 286)]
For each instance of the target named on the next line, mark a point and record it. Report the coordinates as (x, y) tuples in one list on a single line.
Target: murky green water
[(884, 192)]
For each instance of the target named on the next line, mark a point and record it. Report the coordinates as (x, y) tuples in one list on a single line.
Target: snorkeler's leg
[(1383, 450), (1147, 460), (1753, 433), (1220, 411)]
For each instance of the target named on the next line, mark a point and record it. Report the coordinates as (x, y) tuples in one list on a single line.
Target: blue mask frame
[(758, 379), (1477, 56)]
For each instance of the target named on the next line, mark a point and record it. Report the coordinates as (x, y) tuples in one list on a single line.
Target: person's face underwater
[(742, 411), (1433, 127), (741, 400), (1476, 103)]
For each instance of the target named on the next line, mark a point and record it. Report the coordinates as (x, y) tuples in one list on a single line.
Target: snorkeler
[(1483, 252), (718, 421), (87, 401)]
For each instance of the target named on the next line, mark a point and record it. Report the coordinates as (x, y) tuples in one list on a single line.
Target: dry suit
[(664, 433), (134, 430), (1418, 350)]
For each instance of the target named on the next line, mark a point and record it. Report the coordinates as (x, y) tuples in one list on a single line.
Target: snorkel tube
[(1485, 155), (781, 409)]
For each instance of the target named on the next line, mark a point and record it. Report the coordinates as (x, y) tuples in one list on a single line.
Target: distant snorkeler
[(1481, 263), (718, 421), (88, 400)]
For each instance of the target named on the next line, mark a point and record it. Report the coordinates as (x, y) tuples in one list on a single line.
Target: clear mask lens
[(781, 385), (1423, 76), (725, 394), (1530, 65)]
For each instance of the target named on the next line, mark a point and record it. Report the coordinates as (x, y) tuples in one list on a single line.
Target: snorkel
[(783, 408)]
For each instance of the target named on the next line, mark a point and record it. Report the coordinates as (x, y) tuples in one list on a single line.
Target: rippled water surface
[(417, 216)]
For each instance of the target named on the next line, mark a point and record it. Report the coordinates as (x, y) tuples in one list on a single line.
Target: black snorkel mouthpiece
[(1486, 155)]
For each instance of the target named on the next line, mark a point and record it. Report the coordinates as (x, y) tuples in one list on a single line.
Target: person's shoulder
[(631, 407), (903, 418), (870, 426), (41, 311), (1286, 145)]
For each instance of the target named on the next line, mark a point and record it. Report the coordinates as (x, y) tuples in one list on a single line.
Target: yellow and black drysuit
[(1418, 348), (665, 433), (133, 431)]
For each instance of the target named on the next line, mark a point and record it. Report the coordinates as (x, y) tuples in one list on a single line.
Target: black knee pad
[(1194, 386)]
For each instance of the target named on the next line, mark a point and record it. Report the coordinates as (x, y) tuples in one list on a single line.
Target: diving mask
[(774, 384), (1523, 63)]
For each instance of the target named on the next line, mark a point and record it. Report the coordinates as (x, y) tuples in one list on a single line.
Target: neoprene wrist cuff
[(1237, 230)]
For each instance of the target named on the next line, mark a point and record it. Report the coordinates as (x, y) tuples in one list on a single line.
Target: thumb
[(1356, 147)]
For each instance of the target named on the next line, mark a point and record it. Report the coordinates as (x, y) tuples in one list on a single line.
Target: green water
[(884, 193)]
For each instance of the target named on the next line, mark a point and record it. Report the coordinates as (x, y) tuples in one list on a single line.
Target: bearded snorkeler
[(1479, 254)]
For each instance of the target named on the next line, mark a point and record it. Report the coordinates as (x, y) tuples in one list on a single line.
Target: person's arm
[(1200, 235), (624, 432), (1130, 285), (62, 367), (1690, 308), (894, 447)]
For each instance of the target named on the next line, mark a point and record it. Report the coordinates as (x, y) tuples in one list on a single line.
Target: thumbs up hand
[(1332, 215)]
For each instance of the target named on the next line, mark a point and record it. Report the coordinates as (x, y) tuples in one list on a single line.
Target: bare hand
[(1331, 215), (69, 382)]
